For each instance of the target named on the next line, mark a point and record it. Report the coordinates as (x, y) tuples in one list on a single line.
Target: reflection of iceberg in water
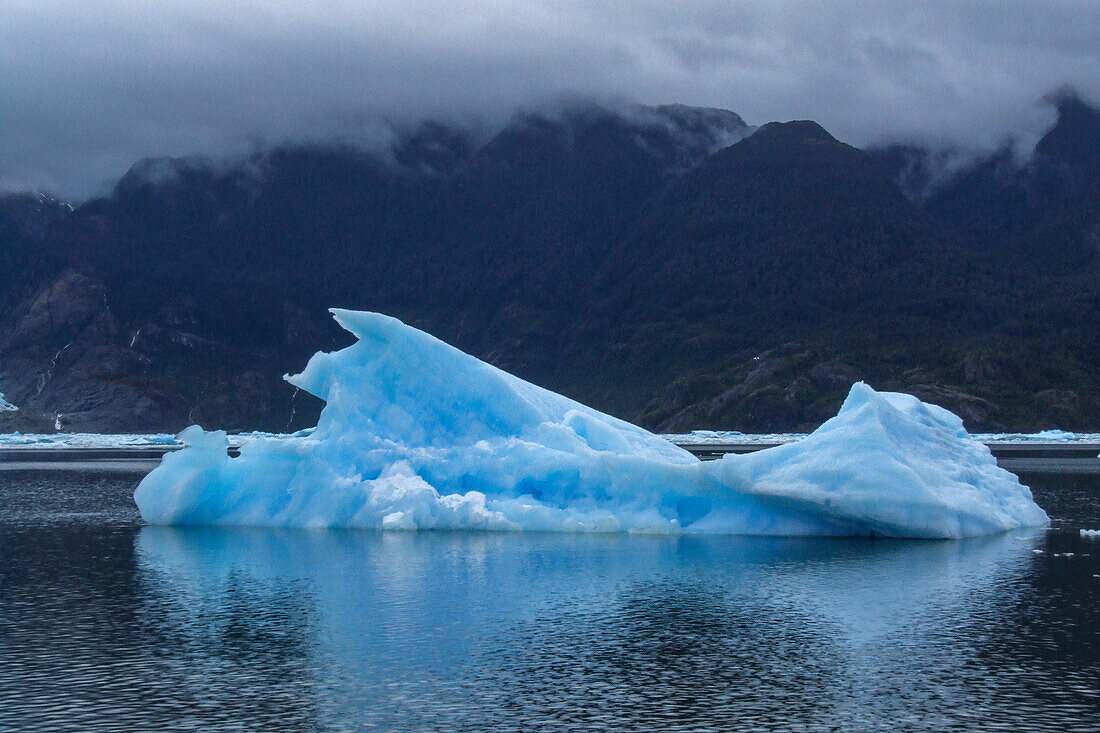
[(858, 583), (418, 435), (411, 628)]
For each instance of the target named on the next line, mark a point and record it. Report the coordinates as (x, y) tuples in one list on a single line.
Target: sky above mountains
[(87, 89)]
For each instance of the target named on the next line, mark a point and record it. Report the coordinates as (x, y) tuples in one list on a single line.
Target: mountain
[(1033, 229), (780, 234), (671, 264)]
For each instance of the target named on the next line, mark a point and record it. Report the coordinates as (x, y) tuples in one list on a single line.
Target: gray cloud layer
[(88, 88)]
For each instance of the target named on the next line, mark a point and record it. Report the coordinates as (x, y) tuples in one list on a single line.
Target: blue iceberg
[(416, 434)]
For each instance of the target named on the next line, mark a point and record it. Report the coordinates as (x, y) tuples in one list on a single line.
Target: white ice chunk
[(418, 435), (893, 465)]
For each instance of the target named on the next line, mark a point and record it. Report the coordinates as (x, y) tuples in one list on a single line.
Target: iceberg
[(889, 464), (416, 435)]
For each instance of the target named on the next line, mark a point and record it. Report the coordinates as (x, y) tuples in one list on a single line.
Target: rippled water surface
[(106, 624)]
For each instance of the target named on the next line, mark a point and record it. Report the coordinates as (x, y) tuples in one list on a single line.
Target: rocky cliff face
[(69, 363), (63, 361)]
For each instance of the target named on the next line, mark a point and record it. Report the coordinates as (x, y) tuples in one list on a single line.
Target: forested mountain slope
[(672, 265)]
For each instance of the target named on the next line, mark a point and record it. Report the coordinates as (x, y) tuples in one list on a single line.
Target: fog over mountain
[(671, 265), (88, 89)]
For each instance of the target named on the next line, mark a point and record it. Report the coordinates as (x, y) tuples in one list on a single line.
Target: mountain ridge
[(632, 260)]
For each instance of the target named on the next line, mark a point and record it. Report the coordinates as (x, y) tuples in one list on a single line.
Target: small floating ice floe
[(1091, 533), (416, 434)]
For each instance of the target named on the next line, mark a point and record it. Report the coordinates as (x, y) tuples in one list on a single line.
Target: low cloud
[(86, 89)]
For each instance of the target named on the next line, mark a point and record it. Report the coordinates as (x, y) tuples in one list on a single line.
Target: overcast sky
[(90, 86)]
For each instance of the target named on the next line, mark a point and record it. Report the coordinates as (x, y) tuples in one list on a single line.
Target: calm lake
[(106, 624)]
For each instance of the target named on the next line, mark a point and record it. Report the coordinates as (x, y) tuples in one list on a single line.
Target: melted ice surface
[(416, 434)]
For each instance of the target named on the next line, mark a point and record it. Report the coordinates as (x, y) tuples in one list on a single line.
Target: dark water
[(109, 625)]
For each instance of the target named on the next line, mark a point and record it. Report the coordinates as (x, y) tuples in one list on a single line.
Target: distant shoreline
[(1017, 456)]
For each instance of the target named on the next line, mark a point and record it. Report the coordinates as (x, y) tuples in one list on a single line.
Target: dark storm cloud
[(87, 88)]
